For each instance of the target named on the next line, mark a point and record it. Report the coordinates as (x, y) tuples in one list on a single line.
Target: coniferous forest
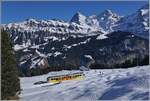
[(10, 85)]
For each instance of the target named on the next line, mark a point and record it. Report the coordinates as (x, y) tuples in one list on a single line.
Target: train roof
[(63, 73)]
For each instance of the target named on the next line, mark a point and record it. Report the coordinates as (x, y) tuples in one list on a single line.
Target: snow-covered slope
[(106, 84)]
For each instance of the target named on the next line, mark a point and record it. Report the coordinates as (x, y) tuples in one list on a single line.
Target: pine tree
[(10, 83)]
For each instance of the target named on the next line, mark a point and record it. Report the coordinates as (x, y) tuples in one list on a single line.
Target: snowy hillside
[(106, 84)]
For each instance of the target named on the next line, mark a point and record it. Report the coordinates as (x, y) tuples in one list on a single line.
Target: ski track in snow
[(105, 84)]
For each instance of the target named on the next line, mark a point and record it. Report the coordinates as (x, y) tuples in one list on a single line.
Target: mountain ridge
[(106, 22)]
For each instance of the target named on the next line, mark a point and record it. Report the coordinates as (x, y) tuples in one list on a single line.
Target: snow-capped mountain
[(137, 22), (90, 22), (45, 43), (107, 20), (52, 26), (79, 19)]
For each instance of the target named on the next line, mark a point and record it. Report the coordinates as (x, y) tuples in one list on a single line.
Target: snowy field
[(106, 84)]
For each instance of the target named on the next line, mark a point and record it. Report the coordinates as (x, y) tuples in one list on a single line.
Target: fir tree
[(10, 84)]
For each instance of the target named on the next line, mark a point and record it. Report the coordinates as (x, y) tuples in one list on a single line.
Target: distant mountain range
[(107, 38)]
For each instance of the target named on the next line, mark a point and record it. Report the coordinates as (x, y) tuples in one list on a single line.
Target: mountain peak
[(144, 10), (78, 18), (31, 20), (107, 12), (78, 13), (107, 19)]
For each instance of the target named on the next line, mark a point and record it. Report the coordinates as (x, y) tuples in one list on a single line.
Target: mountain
[(116, 48), (107, 20), (79, 19), (102, 22), (137, 22), (109, 39), (90, 22)]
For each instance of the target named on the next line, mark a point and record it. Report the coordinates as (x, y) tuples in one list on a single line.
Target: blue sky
[(15, 11)]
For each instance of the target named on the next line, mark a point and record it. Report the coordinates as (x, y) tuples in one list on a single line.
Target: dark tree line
[(126, 64), (10, 84)]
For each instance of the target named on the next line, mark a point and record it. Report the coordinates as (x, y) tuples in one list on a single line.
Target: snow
[(26, 50), (52, 26), (49, 54), (41, 62), (145, 24), (102, 18), (83, 68), (88, 56), (22, 62), (74, 45), (19, 47), (105, 84), (144, 11), (136, 23), (107, 19), (35, 46), (102, 36), (16, 38), (54, 38), (32, 20), (79, 19), (53, 48), (40, 54), (57, 53), (34, 62)]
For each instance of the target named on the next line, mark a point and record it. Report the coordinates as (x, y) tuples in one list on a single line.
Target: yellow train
[(60, 78)]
